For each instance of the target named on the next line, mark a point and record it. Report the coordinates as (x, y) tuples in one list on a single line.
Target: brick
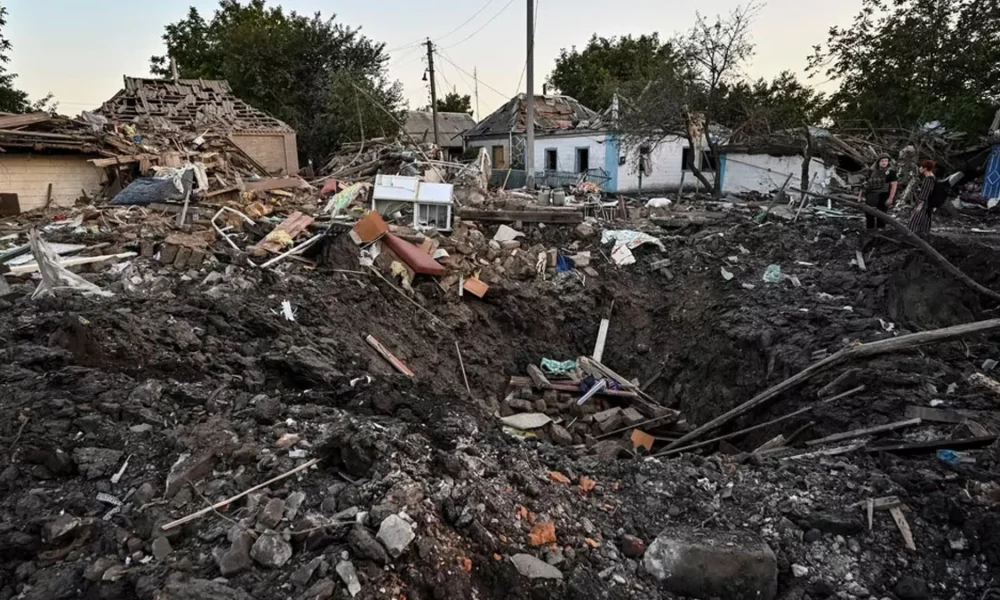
[(183, 254)]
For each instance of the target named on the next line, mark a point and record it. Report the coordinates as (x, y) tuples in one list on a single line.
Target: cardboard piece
[(370, 228)]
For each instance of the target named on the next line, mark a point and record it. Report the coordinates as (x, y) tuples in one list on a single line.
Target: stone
[(837, 523), (632, 417), (202, 589), (322, 590), (799, 571), (237, 558), (60, 526), (911, 588), (609, 420), (189, 468), (271, 550), (266, 409), (272, 513), (365, 546), (607, 449), (95, 463), (520, 405), (304, 574), (161, 548), (349, 576), (585, 231), (632, 546), (534, 568), (811, 536), (743, 566), (395, 534), (292, 505), (560, 435), (96, 570)]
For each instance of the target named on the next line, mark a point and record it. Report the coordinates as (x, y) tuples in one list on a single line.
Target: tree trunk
[(807, 154)]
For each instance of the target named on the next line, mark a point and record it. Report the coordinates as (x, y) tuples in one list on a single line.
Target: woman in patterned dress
[(920, 220)]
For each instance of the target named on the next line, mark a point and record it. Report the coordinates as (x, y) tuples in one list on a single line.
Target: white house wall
[(566, 147), (667, 163), (765, 173)]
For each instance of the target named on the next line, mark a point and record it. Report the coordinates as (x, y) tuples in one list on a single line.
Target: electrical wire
[(493, 18), (467, 21), (486, 85)]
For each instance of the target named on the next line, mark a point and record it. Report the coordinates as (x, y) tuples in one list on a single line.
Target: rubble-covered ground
[(187, 388)]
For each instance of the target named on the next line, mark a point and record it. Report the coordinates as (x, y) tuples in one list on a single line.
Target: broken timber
[(557, 216), (526, 382), (850, 435), (389, 356), (903, 342), (904, 527), (935, 445), (538, 378)]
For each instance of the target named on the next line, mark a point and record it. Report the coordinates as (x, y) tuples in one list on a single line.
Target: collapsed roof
[(451, 126), (552, 114), (187, 103)]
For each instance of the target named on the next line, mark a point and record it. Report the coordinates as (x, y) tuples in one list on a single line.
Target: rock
[(96, 570), (60, 526), (148, 393), (632, 417), (95, 463), (266, 409), (349, 576), (272, 513), (202, 589), (743, 566), (837, 523), (365, 546), (534, 568), (189, 468), (237, 558), (911, 588), (304, 574), (585, 231), (161, 548), (632, 546), (323, 590), (55, 584), (519, 405), (560, 435), (271, 550), (607, 449), (395, 534), (292, 505), (799, 571), (812, 536)]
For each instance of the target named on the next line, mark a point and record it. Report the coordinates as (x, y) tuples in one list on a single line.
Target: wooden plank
[(771, 444), (602, 338), (518, 381), (14, 121), (883, 503), (121, 160), (294, 225), (934, 415), (558, 216), (827, 452), (904, 527), (389, 356), (538, 378), (850, 435), (935, 445), (277, 183)]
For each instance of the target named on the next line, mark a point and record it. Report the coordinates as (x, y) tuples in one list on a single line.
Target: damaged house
[(206, 105), (48, 160), (452, 126)]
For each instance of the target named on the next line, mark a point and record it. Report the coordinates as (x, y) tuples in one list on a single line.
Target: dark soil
[(173, 366)]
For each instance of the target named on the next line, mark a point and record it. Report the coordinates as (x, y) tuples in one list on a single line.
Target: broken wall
[(29, 175), (667, 161), (765, 173), (276, 152)]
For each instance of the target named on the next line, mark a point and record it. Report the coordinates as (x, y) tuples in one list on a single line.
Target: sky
[(79, 50)]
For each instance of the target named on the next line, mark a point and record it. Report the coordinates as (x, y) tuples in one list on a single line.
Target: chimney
[(545, 89), (173, 69)]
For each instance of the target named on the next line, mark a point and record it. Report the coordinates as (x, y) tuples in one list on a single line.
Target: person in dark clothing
[(879, 190), (920, 220)]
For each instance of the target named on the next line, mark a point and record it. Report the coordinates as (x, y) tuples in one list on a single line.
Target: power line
[(486, 85), (493, 18), (466, 22), (464, 79)]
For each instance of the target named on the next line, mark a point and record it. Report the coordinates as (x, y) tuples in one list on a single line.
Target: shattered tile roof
[(188, 103), (552, 113), (451, 126)]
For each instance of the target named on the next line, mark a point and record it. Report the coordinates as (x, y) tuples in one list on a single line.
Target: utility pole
[(475, 77), (434, 100), (529, 148)]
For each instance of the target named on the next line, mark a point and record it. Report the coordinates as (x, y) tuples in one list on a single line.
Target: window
[(582, 160), (433, 216), (551, 159), (498, 161), (708, 164)]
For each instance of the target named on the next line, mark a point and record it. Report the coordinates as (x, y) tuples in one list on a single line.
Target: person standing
[(879, 190), (920, 220)]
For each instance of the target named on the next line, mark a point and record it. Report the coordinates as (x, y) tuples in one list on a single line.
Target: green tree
[(903, 63), (453, 102), (606, 65), (321, 77), (11, 99)]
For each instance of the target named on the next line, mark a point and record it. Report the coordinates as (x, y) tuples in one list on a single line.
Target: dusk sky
[(79, 51)]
